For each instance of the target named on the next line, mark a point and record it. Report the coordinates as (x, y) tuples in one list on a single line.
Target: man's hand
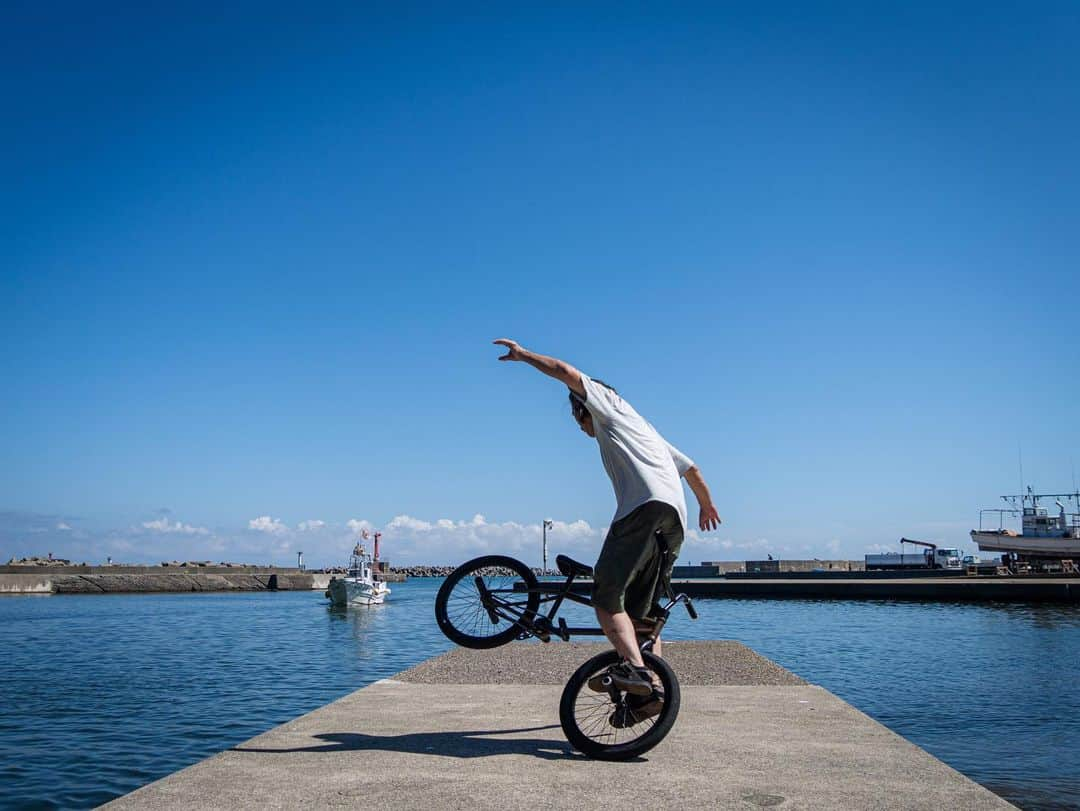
[(552, 367), (708, 518), (516, 352)]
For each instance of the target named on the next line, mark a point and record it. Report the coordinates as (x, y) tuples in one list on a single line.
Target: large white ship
[(1041, 534)]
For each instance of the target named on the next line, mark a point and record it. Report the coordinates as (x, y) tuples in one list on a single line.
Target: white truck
[(933, 557)]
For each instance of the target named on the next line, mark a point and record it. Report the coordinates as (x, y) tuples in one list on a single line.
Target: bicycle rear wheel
[(478, 605), (602, 725)]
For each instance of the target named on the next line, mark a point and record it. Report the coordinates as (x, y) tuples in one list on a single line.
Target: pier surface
[(480, 730)]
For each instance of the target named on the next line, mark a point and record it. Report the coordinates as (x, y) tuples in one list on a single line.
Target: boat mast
[(1020, 459)]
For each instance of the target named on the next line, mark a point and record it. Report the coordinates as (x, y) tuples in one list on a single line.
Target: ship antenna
[(1020, 457)]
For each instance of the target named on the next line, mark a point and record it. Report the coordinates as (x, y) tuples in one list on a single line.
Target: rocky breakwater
[(422, 571), (445, 571)]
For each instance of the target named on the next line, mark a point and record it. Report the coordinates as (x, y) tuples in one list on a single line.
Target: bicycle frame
[(543, 626), (562, 591)]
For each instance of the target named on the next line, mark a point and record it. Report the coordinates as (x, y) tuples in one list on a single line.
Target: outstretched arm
[(708, 517), (552, 367)]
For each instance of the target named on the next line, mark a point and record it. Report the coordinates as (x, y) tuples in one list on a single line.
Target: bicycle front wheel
[(481, 606), (605, 725)]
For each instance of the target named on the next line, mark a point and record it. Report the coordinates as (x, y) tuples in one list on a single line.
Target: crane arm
[(919, 543)]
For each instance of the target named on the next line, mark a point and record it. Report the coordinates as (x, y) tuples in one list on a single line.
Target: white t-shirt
[(642, 465)]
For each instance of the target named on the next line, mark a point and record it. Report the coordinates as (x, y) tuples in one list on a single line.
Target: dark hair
[(577, 402)]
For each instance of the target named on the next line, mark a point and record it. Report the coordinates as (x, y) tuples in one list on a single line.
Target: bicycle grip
[(690, 609)]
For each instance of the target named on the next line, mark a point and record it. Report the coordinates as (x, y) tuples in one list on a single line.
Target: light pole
[(547, 526)]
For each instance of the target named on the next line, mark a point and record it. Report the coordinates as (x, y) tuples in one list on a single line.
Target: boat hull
[(1060, 547), (350, 592)]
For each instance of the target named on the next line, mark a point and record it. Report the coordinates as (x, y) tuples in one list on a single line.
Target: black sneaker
[(623, 676), (636, 709)]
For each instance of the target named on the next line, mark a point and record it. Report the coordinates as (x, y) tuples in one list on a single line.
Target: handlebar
[(690, 609), (681, 598)]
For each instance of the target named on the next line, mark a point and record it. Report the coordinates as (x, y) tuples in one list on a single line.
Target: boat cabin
[(1038, 522)]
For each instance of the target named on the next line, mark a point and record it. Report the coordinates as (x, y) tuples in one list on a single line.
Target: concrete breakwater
[(480, 730), (121, 582)]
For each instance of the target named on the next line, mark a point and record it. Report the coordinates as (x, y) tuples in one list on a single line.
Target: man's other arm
[(552, 367), (708, 517)]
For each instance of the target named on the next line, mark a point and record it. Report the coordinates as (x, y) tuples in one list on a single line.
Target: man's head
[(581, 412)]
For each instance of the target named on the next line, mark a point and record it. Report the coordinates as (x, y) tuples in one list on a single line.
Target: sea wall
[(200, 568), (158, 581), (25, 584), (722, 567)]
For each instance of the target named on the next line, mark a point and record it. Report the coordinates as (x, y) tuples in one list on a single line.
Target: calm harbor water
[(102, 694)]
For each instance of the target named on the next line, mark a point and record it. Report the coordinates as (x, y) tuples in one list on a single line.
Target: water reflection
[(361, 619), (1047, 616)]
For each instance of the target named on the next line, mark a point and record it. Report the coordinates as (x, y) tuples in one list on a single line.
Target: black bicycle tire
[(630, 749), (455, 634)]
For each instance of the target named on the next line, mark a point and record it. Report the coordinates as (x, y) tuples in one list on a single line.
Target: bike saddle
[(571, 568)]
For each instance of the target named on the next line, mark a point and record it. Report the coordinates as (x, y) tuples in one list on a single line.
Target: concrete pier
[(480, 730)]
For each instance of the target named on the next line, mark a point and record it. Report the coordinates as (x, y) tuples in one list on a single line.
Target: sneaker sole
[(637, 688)]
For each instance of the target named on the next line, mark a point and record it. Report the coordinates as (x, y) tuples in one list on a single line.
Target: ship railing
[(985, 519)]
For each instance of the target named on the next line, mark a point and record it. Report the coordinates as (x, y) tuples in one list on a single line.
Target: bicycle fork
[(649, 636)]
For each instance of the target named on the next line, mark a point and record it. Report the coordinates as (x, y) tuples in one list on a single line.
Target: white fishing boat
[(358, 586), (1041, 534)]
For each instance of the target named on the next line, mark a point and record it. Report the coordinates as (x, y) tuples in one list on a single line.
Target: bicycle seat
[(571, 568)]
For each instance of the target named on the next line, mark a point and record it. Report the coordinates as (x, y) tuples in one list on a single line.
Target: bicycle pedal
[(541, 629)]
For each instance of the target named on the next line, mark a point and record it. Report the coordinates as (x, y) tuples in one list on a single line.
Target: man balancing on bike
[(644, 470)]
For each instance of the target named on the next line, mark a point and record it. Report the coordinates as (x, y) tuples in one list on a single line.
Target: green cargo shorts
[(627, 576)]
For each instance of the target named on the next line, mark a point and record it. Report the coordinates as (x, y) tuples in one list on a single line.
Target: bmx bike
[(492, 600)]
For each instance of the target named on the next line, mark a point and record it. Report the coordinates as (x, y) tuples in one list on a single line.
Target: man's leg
[(670, 527), (626, 552), (619, 629)]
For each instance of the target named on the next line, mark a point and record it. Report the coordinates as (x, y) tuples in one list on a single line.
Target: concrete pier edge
[(480, 729)]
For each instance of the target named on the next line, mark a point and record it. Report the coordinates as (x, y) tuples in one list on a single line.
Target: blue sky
[(254, 258)]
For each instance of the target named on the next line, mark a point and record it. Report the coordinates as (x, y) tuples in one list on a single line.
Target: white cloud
[(879, 548), (406, 540), (63, 527), (162, 525), (698, 547), (264, 523), (409, 524), (447, 541)]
